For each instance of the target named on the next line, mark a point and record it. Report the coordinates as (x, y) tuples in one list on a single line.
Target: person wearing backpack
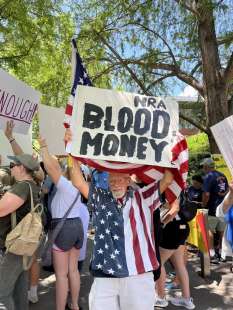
[(215, 187), (13, 277)]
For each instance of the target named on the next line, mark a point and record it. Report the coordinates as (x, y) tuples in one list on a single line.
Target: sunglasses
[(12, 165)]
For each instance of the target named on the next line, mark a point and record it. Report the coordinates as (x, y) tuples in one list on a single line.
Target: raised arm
[(78, 180), (76, 174), (16, 148), (50, 163), (166, 180)]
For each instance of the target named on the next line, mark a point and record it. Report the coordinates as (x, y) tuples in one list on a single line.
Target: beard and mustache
[(118, 193)]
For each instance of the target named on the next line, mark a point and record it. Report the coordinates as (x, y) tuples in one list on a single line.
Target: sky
[(188, 91)]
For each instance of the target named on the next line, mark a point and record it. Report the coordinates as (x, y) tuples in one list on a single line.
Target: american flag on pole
[(146, 173), (79, 77)]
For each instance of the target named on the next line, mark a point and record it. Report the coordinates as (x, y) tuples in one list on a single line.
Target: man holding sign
[(123, 255), (124, 133), (124, 127)]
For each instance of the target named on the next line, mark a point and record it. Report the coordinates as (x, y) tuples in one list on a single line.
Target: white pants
[(135, 292)]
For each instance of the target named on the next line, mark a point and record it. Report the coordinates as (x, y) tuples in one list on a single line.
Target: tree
[(35, 46), (154, 44)]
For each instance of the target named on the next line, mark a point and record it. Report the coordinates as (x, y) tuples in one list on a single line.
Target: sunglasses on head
[(12, 165)]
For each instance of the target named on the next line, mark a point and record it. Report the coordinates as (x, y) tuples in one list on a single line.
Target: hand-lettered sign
[(18, 102), (120, 126)]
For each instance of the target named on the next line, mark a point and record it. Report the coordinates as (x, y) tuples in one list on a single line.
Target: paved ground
[(214, 293)]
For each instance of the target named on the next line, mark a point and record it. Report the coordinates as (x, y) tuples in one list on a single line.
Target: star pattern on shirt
[(109, 213), (100, 251), (111, 271), (115, 237), (108, 241)]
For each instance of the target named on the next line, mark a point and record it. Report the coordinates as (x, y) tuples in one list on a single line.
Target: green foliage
[(198, 143), (35, 47), (199, 148)]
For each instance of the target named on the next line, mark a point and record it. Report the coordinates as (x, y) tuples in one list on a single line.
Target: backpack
[(188, 208), (24, 238)]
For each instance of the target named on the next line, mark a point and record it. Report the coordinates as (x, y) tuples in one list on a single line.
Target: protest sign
[(18, 102), (51, 127), (222, 133), (125, 127)]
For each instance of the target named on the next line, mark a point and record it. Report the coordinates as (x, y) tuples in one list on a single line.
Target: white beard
[(118, 194)]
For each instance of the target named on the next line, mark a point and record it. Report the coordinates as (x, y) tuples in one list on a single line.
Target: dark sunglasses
[(12, 165)]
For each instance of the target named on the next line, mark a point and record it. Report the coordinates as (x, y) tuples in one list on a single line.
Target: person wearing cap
[(215, 187), (13, 279), (38, 177)]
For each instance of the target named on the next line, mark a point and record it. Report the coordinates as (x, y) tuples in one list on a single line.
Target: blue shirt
[(194, 194), (215, 183)]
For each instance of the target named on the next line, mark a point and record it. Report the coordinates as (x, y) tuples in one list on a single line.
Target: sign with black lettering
[(120, 126), (18, 102)]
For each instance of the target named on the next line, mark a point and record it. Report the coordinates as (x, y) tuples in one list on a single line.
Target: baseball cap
[(27, 160), (208, 162)]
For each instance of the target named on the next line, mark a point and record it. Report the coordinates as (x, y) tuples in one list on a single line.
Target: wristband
[(43, 146), (12, 140)]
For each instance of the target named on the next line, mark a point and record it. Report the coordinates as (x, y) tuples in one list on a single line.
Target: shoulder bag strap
[(60, 225), (13, 214)]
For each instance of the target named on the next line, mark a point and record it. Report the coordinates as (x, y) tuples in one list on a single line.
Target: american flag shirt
[(123, 243)]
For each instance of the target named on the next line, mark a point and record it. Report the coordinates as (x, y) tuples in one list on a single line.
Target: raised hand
[(231, 187), (42, 142), (68, 135), (9, 129)]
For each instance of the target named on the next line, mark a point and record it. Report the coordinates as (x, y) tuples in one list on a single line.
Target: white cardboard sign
[(222, 133), (18, 102), (52, 129), (121, 126)]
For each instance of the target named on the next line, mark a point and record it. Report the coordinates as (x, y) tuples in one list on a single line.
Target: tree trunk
[(215, 89), (213, 145)]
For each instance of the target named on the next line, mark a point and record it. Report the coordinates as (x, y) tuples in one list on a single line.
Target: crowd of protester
[(118, 208)]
